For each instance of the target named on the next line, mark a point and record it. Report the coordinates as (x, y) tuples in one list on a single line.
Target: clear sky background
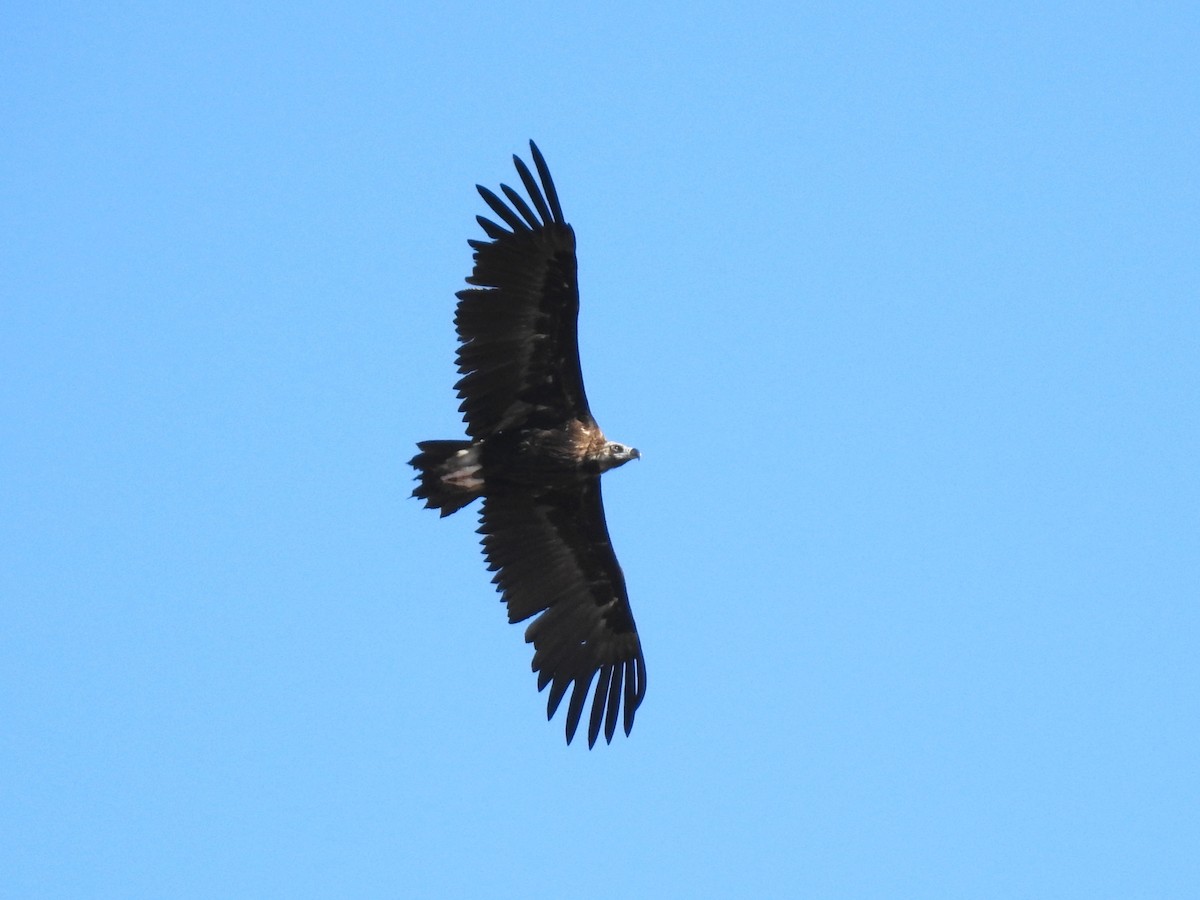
[(901, 303)]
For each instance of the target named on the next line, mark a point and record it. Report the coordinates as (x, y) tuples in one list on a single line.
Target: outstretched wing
[(552, 555), (519, 351)]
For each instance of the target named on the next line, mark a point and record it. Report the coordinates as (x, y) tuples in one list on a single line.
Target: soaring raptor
[(535, 455)]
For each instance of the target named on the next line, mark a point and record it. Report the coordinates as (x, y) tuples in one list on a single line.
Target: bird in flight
[(535, 454)]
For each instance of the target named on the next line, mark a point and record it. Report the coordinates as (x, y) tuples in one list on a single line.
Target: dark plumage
[(535, 456)]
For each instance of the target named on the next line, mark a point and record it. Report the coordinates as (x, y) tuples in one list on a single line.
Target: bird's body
[(535, 456)]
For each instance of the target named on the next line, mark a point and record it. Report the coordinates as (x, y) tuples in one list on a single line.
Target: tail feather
[(450, 474)]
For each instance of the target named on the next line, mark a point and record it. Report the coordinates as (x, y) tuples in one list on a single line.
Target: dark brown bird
[(535, 456)]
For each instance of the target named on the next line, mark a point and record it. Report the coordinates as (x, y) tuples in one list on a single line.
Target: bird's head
[(615, 454)]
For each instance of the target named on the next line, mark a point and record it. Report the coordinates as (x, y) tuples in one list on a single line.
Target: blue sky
[(900, 304)]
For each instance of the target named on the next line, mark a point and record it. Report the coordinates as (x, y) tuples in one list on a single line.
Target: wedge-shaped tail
[(450, 474)]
